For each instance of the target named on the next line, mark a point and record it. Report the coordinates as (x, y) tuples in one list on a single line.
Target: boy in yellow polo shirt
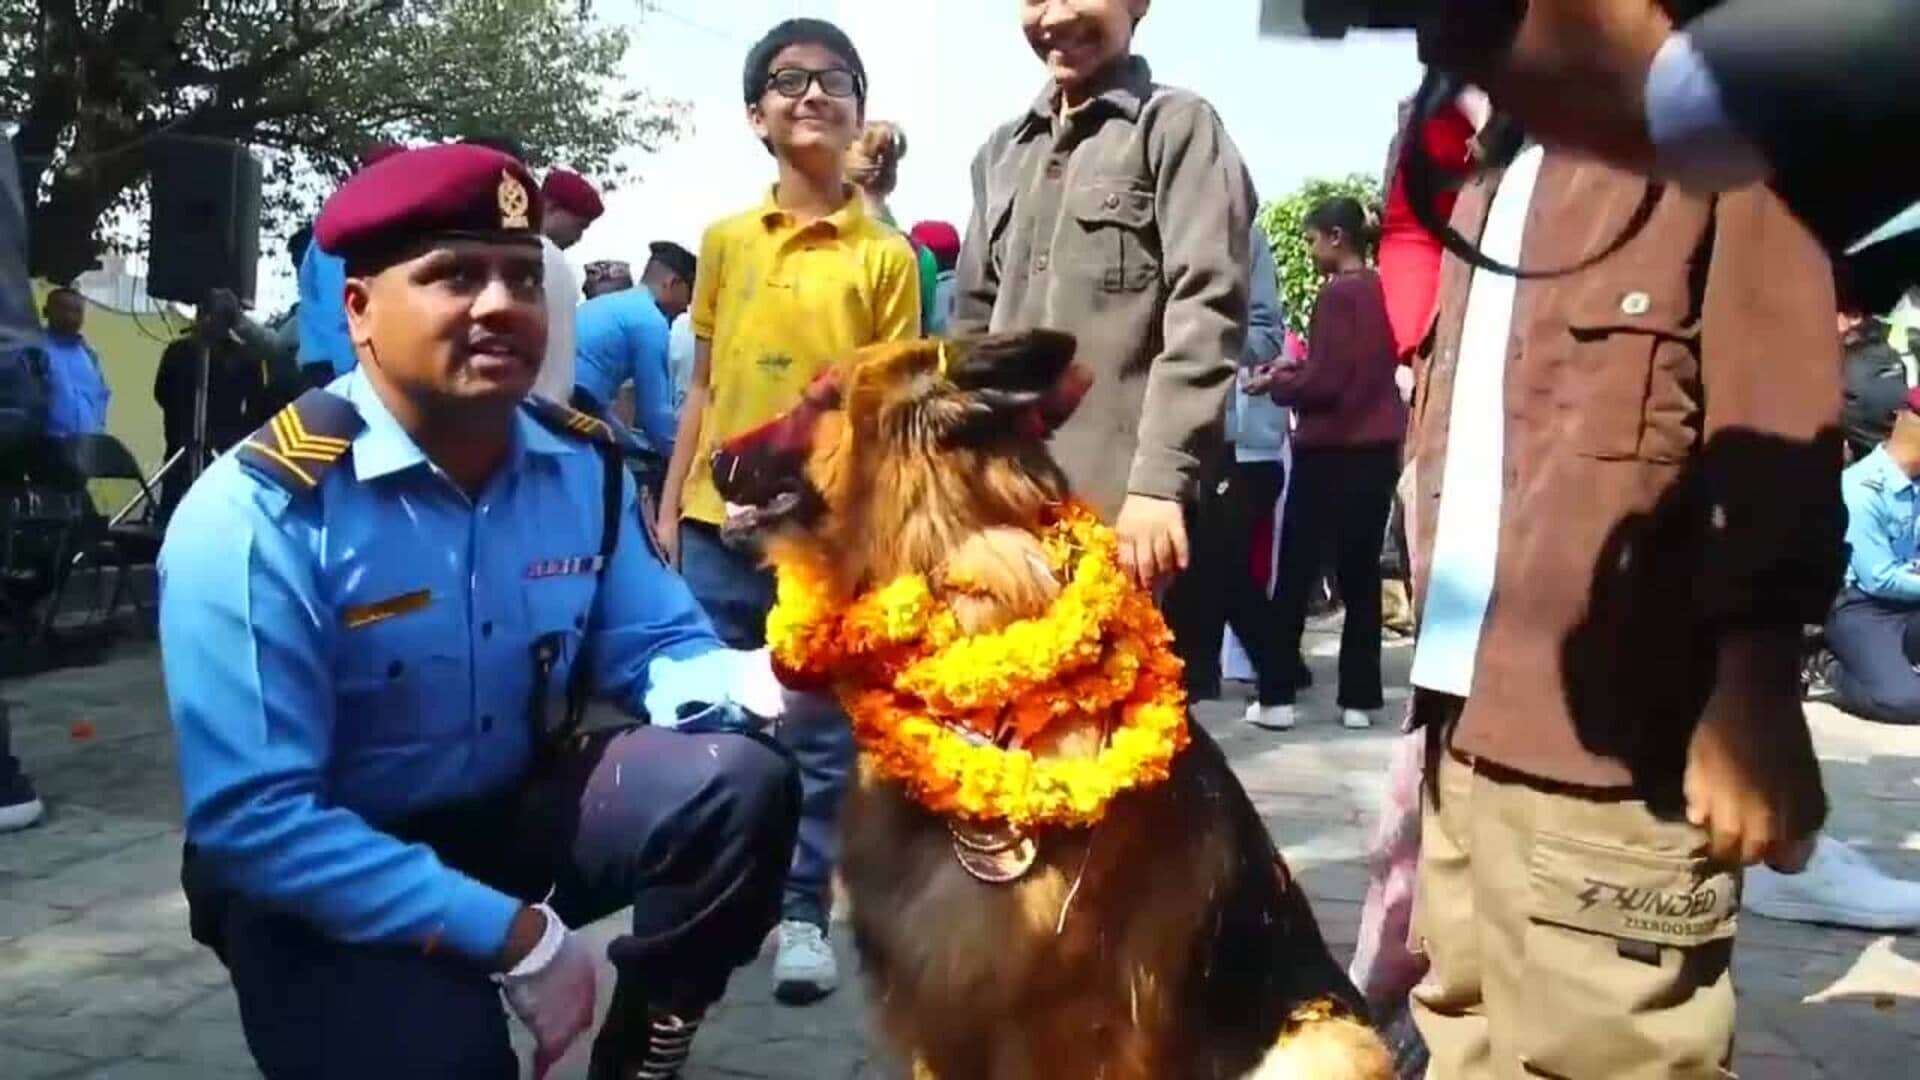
[(784, 291)]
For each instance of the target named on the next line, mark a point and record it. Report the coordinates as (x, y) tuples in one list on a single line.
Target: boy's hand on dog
[(1153, 539)]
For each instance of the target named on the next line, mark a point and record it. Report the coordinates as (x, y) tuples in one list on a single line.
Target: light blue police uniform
[(352, 655), (1874, 628), (622, 337)]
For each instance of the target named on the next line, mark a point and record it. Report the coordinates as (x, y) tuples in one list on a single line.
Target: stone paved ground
[(99, 979)]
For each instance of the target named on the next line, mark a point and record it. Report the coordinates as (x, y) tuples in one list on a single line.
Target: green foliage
[(310, 86), (1281, 221)]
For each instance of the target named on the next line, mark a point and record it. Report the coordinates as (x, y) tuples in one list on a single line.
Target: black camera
[(1333, 18)]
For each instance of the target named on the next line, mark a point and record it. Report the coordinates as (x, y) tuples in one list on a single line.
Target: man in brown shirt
[(1627, 505), (1118, 210)]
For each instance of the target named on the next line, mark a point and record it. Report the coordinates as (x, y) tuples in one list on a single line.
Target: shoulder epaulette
[(303, 442), (571, 422)]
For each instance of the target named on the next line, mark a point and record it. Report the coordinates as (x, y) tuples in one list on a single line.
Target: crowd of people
[(1618, 495)]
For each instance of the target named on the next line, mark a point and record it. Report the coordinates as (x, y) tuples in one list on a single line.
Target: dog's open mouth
[(750, 522)]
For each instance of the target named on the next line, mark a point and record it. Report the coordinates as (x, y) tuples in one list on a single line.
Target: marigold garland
[(926, 701)]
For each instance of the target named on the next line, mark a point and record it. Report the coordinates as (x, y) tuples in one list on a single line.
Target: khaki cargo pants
[(1570, 937)]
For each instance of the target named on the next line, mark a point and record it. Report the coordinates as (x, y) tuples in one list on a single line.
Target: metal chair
[(128, 540), (43, 519)]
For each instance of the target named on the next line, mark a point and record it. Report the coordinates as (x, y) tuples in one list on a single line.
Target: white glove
[(757, 690), (723, 690), (552, 991)]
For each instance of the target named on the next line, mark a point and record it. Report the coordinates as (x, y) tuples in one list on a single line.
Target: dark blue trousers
[(694, 831), (1878, 646)]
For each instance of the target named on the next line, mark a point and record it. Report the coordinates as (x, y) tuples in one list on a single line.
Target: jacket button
[(1113, 202), (1054, 169), (1040, 263), (1636, 304)]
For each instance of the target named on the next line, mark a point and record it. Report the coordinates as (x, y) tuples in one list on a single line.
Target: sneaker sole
[(21, 815), (1794, 911), (797, 992)]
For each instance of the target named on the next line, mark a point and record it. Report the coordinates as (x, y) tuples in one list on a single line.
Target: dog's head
[(903, 446)]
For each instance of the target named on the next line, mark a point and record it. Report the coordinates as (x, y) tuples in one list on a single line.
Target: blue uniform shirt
[(1883, 512), (322, 314), (77, 404), (346, 656), (621, 336)]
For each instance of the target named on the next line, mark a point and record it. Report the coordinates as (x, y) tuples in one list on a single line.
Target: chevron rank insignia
[(569, 421), (303, 441)]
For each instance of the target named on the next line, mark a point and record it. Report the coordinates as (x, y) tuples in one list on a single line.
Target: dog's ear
[(1025, 380)]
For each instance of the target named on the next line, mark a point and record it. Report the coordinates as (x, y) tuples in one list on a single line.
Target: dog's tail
[(1327, 1048)]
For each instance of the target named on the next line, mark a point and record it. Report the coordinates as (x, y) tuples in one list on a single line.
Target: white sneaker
[(1357, 719), (804, 970), (1839, 887), (1271, 717)]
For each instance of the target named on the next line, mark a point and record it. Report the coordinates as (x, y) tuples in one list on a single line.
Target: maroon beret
[(571, 192), (455, 190)]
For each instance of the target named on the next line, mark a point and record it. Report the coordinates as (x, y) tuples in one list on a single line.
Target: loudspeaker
[(206, 219)]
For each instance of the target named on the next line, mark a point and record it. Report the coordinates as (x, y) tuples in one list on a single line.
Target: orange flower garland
[(924, 699)]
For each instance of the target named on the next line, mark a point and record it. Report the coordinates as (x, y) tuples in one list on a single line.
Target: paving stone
[(99, 979), (24, 1063)]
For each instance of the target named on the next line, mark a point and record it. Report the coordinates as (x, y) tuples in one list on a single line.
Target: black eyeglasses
[(836, 82)]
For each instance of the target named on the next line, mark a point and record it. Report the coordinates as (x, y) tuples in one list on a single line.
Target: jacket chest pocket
[(1630, 387), (1113, 236), (404, 680)]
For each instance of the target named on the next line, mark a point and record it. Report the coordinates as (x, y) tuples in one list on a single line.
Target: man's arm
[(1770, 377), (1773, 523), (649, 634), (1204, 215), (653, 385), (704, 318), (243, 633), (976, 282)]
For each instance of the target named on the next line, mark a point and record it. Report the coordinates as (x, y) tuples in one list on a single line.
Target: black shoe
[(20, 805), (639, 1042)]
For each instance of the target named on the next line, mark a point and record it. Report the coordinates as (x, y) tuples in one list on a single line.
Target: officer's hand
[(1574, 73), (1153, 539), (552, 990), (1752, 780)]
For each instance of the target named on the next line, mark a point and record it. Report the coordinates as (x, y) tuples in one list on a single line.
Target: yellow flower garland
[(926, 702)]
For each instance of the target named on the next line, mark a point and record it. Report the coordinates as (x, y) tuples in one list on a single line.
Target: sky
[(950, 71)]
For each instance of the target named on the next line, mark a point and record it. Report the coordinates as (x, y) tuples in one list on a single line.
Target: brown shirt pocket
[(1630, 387), (1115, 241)]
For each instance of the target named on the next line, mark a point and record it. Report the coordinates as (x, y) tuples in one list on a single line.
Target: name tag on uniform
[(552, 568), (363, 615)]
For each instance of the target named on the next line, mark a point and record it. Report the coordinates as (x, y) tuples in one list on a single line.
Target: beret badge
[(514, 202)]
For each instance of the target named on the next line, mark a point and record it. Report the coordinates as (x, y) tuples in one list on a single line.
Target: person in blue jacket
[(1874, 628), (381, 617)]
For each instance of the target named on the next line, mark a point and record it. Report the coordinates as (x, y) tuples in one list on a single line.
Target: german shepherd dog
[(1168, 942)]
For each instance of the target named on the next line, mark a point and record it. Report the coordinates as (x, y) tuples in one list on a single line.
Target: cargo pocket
[(1625, 965), (1117, 244), (1631, 385)]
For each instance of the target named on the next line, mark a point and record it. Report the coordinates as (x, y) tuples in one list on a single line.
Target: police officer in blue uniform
[(381, 617), (1874, 628)]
